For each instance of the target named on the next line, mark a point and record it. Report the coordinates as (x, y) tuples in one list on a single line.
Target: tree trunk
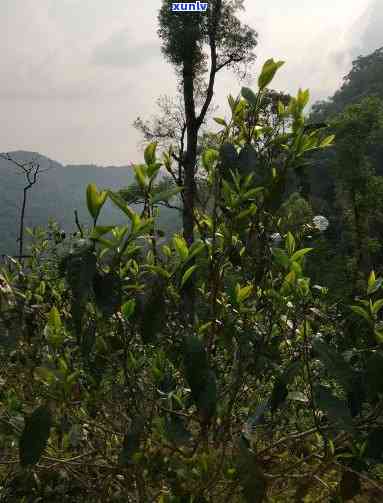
[(189, 164), (363, 261)]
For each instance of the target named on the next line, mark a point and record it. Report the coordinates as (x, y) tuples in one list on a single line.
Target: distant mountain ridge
[(60, 190)]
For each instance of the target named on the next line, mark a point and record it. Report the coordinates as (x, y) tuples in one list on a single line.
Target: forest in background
[(58, 191)]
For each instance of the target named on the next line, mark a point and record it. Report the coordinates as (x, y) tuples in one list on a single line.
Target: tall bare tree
[(31, 171), (168, 130)]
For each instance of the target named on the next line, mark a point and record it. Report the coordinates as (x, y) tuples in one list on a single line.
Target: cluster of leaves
[(110, 396)]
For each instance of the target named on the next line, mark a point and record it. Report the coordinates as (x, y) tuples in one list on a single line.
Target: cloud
[(363, 37), (120, 51), (315, 43), (74, 73), (366, 33)]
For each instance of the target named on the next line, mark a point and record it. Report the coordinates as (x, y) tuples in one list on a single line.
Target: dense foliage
[(108, 394), (346, 184)]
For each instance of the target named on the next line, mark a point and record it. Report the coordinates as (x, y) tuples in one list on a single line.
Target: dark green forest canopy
[(364, 79), (345, 182)]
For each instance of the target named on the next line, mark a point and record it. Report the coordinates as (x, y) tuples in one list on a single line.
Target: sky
[(75, 74)]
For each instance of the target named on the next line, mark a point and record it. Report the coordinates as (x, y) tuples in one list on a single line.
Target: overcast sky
[(76, 73)]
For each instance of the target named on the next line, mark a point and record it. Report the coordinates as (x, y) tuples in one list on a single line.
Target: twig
[(78, 223)]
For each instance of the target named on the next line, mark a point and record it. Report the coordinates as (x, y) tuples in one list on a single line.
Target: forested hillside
[(346, 183), (58, 191)]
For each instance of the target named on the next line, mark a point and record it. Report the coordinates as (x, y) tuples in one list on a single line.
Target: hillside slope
[(59, 190)]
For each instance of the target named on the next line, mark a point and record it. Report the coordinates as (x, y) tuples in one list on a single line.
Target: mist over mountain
[(60, 189)]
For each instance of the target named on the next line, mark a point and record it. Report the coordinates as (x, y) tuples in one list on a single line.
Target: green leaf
[(132, 194), (281, 258), (335, 364), (252, 192), (166, 195), (296, 268), (120, 203), (290, 278), (54, 319), (181, 247), (297, 396), (107, 243), (53, 329), (45, 374), (242, 293), (166, 250), (196, 248), (303, 97), (150, 153), (374, 288), (362, 312), (220, 121), (233, 103), (378, 335), (128, 308), (249, 95), (269, 69), (141, 177), (371, 282), (336, 409), (377, 306), (99, 231), (92, 199), (204, 327), (281, 108), (159, 270), (209, 157), (290, 244), (187, 274), (119, 233), (300, 253), (35, 435), (167, 160), (246, 213), (153, 169), (327, 142)]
